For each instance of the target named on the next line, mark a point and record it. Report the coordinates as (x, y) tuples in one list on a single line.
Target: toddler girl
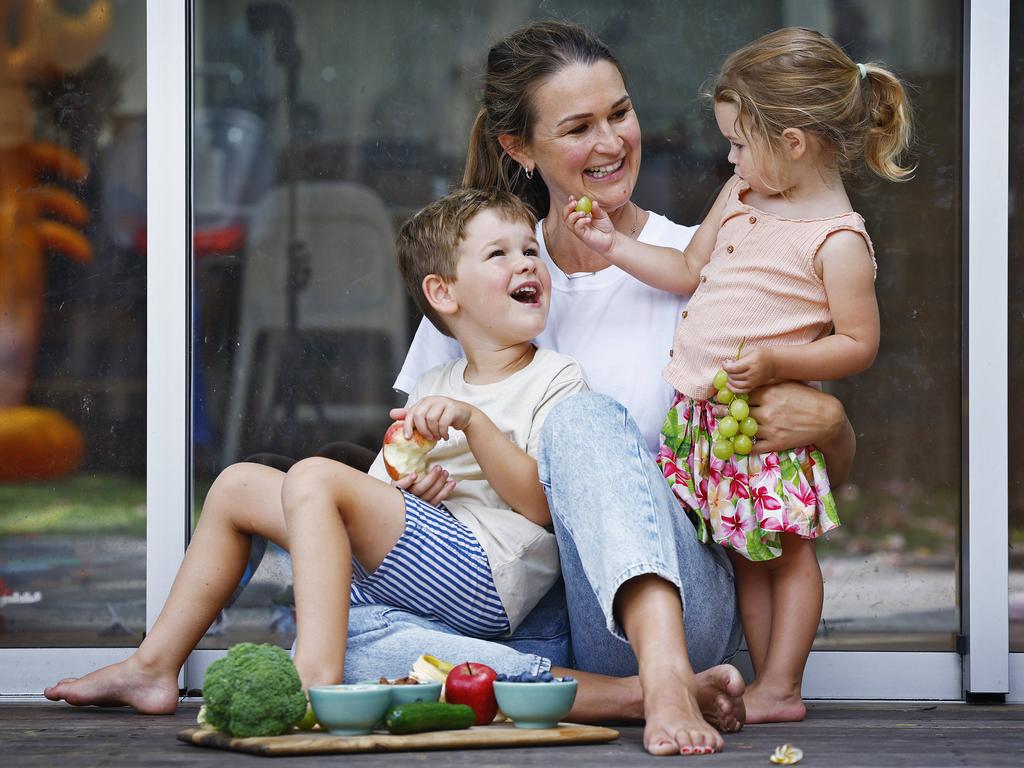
[(782, 276)]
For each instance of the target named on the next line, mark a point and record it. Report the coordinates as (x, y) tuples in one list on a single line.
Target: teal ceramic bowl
[(406, 694), (350, 710), (536, 705)]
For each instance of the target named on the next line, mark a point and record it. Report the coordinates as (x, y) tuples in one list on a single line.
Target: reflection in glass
[(72, 325), (376, 104)]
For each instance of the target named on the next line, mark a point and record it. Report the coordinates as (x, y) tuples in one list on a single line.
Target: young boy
[(480, 562)]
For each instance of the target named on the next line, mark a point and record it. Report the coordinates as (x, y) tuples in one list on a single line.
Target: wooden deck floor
[(840, 735)]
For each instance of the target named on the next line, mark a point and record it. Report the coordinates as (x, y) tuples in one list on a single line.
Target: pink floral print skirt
[(743, 503)]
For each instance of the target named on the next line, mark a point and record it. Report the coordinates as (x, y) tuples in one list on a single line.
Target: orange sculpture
[(40, 443)]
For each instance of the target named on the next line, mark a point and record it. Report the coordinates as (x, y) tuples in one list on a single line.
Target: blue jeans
[(615, 518)]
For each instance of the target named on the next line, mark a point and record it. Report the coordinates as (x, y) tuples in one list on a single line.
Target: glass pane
[(73, 326), (386, 93), (1016, 325)]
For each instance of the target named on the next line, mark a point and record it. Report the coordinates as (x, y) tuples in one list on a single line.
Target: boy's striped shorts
[(438, 570)]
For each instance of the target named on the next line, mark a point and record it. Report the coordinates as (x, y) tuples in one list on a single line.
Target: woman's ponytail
[(889, 124)]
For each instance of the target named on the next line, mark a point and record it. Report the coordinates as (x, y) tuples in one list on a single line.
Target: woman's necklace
[(578, 275)]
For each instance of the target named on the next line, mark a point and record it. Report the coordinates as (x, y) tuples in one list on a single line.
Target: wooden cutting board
[(478, 737)]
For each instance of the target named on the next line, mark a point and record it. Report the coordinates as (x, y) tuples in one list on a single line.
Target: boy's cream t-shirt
[(523, 555)]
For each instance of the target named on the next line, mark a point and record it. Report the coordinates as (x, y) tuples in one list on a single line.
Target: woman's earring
[(529, 173)]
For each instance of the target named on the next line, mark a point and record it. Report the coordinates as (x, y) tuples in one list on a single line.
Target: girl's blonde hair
[(799, 78)]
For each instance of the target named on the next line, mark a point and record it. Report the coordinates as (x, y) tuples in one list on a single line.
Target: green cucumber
[(420, 716)]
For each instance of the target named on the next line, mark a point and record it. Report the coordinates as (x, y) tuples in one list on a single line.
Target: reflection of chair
[(351, 315)]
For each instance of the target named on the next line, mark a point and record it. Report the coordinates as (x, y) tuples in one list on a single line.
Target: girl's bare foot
[(674, 723), (720, 697), (768, 703), (127, 683)]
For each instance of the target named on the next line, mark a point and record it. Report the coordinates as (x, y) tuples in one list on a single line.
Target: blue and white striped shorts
[(438, 570)]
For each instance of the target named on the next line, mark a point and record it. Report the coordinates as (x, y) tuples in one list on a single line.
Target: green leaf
[(756, 549), (789, 469), (830, 508)]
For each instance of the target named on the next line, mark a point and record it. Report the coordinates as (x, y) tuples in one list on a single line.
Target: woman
[(557, 120)]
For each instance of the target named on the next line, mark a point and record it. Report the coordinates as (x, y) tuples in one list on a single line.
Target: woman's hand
[(433, 488), (754, 368), (595, 229), (792, 415)]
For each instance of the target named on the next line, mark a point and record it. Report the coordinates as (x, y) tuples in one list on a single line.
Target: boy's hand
[(433, 416), (434, 487), (754, 368), (595, 229)]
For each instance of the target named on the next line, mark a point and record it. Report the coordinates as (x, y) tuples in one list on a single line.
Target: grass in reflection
[(84, 504)]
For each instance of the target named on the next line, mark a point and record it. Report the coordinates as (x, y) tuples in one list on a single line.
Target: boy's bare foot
[(771, 704), (720, 697), (674, 723), (127, 683)]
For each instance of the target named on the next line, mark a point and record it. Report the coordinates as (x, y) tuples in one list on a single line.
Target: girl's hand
[(595, 229), (434, 487), (433, 416), (754, 368)]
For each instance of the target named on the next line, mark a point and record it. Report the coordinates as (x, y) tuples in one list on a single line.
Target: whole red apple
[(472, 683), (403, 455)]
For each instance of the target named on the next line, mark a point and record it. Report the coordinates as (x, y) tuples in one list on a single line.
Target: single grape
[(743, 445), (744, 396), (728, 426), (749, 426), (739, 409), (584, 205), (722, 449), (720, 380), (724, 396)]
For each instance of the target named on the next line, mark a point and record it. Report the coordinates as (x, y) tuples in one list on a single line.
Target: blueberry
[(567, 679), (547, 677), (500, 678), (515, 678)]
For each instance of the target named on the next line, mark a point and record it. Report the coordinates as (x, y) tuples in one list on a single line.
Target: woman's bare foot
[(674, 723), (720, 697), (127, 683), (767, 703)]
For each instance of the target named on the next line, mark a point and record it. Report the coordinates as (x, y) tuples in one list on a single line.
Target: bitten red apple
[(472, 683), (403, 455)]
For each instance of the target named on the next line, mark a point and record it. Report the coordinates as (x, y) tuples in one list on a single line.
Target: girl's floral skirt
[(743, 503)]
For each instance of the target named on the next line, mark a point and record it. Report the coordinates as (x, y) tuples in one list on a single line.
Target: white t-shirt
[(523, 555), (618, 328)]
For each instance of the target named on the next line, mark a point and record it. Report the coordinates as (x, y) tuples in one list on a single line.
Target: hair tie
[(863, 70)]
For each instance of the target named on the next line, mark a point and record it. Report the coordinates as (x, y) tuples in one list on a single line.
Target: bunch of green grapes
[(735, 432)]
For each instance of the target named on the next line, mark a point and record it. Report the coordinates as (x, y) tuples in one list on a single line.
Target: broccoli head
[(253, 691)]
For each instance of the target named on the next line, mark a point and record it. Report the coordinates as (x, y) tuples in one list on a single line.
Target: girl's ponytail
[(889, 124)]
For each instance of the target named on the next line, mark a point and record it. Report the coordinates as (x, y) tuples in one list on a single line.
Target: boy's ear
[(513, 146), (439, 295), (795, 142)]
